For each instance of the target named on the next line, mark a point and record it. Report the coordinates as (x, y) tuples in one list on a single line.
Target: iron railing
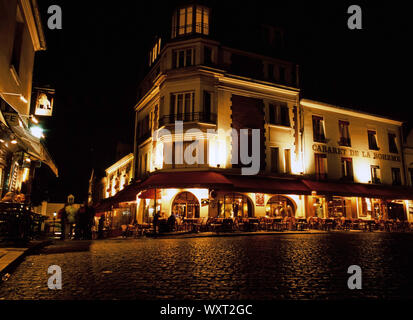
[(188, 117), (17, 222)]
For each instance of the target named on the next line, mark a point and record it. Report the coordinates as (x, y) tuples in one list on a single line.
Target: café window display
[(237, 205), (336, 207), (373, 208), (280, 206), (186, 205)]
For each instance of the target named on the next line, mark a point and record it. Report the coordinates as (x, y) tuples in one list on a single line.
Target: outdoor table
[(253, 224), (279, 225), (301, 223)]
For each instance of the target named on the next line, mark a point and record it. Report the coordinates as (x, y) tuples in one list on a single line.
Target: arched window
[(237, 205), (280, 206), (190, 19), (186, 205)]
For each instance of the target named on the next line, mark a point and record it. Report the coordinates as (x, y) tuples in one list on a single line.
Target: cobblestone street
[(261, 267)]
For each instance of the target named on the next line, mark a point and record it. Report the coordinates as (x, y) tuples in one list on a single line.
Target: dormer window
[(155, 52), (190, 19)]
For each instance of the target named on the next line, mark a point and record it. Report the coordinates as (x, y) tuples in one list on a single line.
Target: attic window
[(190, 19)]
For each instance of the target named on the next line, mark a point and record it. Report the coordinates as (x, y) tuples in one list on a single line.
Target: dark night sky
[(96, 61)]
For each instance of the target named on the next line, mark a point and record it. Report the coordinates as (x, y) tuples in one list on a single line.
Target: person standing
[(156, 221), (101, 225), (90, 215), (63, 221), (79, 224)]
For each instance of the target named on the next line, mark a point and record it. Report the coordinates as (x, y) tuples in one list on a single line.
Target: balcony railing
[(344, 142), (188, 117)]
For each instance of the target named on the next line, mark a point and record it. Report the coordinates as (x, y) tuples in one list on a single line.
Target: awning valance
[(264, 184), (360, 190), (34, 147), (185, 179)]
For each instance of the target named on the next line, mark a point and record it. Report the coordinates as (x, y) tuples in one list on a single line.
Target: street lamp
[(22, 98), (54, 221)]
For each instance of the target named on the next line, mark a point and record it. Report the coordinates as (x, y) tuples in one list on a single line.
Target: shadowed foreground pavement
[(308, 266)]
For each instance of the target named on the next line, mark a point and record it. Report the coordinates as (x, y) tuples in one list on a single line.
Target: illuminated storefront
[(316, 159)]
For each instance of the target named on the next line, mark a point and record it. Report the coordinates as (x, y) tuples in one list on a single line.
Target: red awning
[(150, 194), (360, 190), (264, 184), (104, 205), (185, 179), (128, 194)]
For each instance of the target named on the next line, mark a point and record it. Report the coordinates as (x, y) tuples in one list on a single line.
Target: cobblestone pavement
[(260, 268)]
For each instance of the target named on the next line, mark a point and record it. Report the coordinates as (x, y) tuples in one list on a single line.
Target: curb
[(14, 256), (223, 235)]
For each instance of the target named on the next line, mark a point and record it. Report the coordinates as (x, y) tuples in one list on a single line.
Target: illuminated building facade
[(314, 159), (20, 151)]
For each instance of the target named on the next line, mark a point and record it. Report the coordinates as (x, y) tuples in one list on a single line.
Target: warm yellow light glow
[(23, 99), (13, 142), (362, 170), (217, 152), (199, 193), (170, 194), (25, 174), (158, 161), (34, 120)]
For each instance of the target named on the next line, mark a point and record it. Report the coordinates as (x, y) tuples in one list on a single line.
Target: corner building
[(315, 159)]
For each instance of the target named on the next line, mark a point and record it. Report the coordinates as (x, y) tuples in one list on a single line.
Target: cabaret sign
[(355, 153)]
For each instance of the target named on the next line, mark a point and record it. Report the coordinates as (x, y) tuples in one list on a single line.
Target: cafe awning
[(262, 184), (185, 179), (33, 146), (150, 194), (104, 205), (360, 190), (128, 194)]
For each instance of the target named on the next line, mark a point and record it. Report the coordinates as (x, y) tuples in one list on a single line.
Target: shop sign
[(355, 153), (259, 199), (44, 103)]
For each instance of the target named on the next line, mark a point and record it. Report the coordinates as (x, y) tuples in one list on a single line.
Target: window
[(320, 166), (280, 206), (279, 114), (202, 20), (154, 53), (347, 168), (236, 205), (372, 140), (207, 55), (183, 58), (207, 105), (275, 162), (397, 180), (318, 129), (17, 46), (145, 168), (182, 154), (183, 21), (393, 143), (343, 127), (375, 174), (182, 106), (186, 205), (287, 156)]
